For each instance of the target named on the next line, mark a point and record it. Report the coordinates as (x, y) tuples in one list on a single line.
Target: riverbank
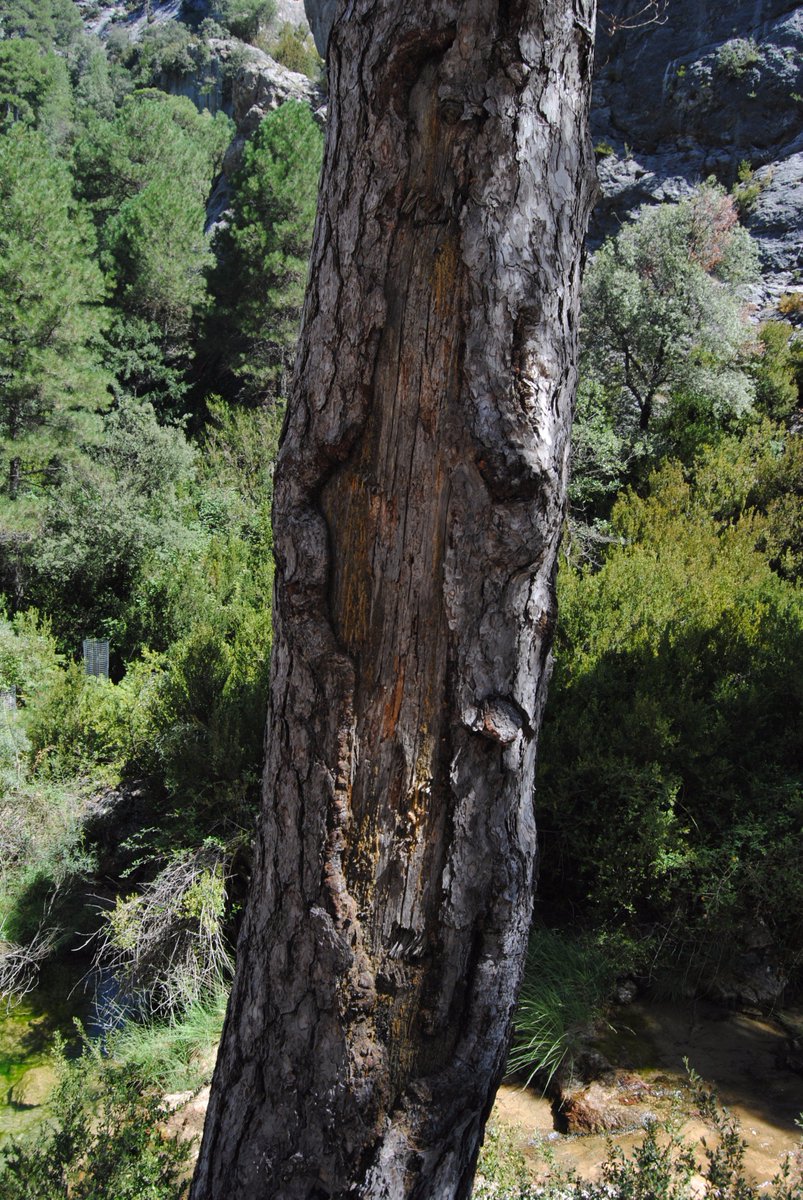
[(742, 1057)]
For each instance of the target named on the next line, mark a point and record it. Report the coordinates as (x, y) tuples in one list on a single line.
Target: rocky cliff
[(720, 83)]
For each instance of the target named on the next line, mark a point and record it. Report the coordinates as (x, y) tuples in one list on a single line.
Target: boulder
[(33, 1088), (605, 1106)]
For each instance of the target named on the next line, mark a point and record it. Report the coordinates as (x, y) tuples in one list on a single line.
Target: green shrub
[(734, 57), (166, 943), (670, 789), (29, 660), (104, 1141), (294, 48), (43, 857), (246, 19), (501, 1169), (90, 726)]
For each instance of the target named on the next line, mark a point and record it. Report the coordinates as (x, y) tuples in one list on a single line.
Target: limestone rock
[(605, 1106), (320, 14), (717, 84), (34, 1088)]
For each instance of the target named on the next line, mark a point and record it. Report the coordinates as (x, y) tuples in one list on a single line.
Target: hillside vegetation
[(144, 364)]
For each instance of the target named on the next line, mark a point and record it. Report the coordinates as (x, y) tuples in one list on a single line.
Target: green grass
[(567, 983), (176, 1055)]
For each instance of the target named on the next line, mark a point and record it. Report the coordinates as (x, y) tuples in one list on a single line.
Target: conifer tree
[(259, 282), (51, 312)]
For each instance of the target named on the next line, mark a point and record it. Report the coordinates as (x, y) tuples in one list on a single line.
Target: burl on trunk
[(419, 498)]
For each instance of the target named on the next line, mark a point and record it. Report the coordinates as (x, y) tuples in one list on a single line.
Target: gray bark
[(419, 499)]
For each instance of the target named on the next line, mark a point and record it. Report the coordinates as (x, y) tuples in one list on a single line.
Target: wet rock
[(34, 1088), (626, 991), (591, 1096), (606, 1107)]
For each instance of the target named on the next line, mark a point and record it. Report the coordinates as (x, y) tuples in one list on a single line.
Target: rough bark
[(419, 497)]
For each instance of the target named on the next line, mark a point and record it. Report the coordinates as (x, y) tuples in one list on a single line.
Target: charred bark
[(419, 498)]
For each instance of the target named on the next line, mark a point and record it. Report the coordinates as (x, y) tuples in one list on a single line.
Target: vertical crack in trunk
[(418, 504)]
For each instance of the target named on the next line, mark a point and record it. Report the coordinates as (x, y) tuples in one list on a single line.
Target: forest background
[(144, 358)]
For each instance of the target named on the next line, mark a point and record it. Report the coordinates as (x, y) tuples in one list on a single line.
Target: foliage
[(50, 292), (567, 983), (147, 174), (43, 858), (665, 336), (174, 1055), (778, 370), (259, 282), (34, 88), (747, 188), (246, 19), (501, 1169), (107, 520), (736, 56), (294, 48), (29, 660), (49, 22), (85, 725), (669, 766), (105, 1140), (165, 945), (168, 49)]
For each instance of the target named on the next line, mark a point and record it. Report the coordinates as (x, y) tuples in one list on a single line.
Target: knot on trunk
[(501, 719)]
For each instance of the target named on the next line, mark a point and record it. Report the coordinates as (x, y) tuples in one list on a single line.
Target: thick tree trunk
[(418, 504)]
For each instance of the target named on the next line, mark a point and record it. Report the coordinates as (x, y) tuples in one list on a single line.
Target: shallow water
[(27, 1034), (733, 1052)]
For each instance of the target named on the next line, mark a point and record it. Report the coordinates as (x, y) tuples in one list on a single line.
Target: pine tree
[(263, 253), (51, 312)]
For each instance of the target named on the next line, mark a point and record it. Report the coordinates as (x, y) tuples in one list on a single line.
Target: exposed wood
[(419, 499)]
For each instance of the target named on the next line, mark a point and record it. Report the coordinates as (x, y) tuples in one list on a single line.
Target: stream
[(28, 1030), (737, 1054)]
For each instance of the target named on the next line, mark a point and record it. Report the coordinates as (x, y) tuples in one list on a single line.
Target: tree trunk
[(14, 476), (419, 498)]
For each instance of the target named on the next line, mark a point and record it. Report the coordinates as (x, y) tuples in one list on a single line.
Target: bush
[(669, 768), (165, 945), (42, 858), (246, 19), (294, 48), (104, 1141), (736, 56), (88, 726)]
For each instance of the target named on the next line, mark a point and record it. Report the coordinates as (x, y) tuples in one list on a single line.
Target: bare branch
[(19, 965), (654, 12), (166, 946)]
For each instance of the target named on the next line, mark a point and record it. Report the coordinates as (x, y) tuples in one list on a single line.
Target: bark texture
[(418, 504)]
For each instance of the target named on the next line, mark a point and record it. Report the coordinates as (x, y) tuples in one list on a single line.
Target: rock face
[(719, 84), (320, 15)]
